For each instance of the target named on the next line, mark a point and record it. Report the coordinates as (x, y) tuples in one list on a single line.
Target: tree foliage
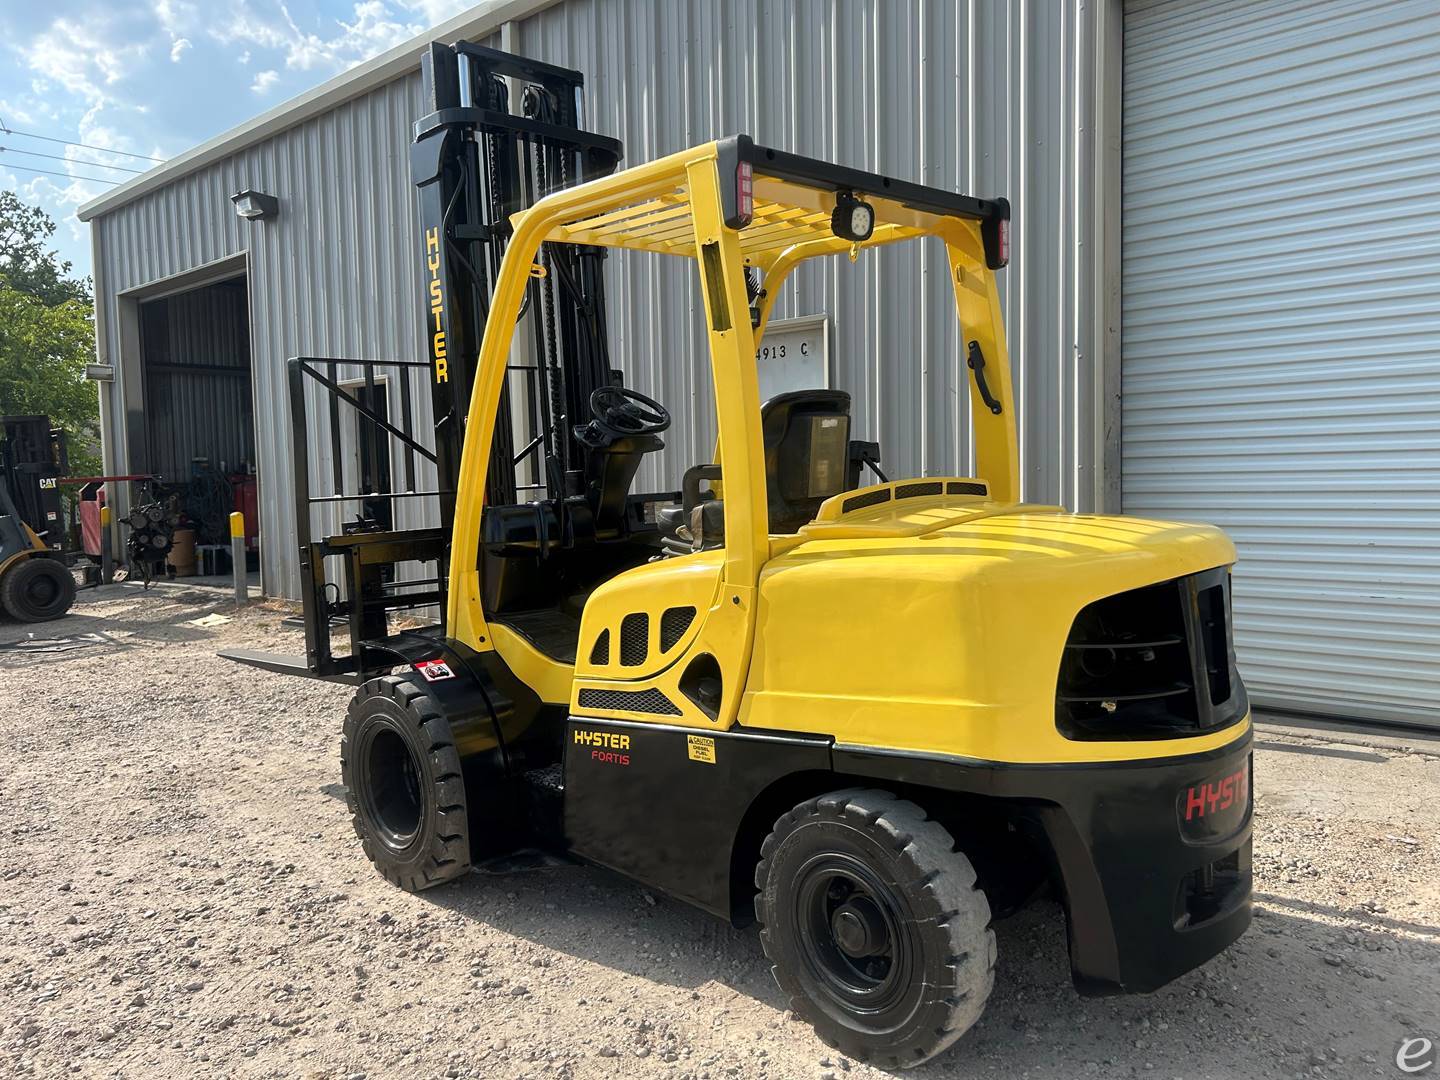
[(46, 332)]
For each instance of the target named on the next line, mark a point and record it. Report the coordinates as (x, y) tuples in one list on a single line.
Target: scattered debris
[(67, 643)]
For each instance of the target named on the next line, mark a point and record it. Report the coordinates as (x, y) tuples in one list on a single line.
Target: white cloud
[(264, 81), (175, 16), (372, 30), (177, 49), (9, 111), (81, 58), (436, 11)]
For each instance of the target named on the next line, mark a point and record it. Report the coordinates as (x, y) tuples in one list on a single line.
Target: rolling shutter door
[(1281, 336)]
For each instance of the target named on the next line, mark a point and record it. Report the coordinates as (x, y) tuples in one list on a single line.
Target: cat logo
[(437, 306)]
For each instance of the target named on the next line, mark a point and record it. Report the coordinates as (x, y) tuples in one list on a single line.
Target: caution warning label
[(701, 748)]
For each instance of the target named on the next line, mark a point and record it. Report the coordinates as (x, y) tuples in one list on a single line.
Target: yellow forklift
[(872, 716)]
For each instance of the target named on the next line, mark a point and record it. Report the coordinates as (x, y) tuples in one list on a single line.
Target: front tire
[(37, 589), (874, 926), (404, 785)]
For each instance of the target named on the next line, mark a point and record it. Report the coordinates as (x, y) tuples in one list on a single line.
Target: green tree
[(25, 261), (46, 332)]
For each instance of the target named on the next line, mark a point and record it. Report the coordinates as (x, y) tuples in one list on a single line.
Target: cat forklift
[(36, 584), (870, 714)]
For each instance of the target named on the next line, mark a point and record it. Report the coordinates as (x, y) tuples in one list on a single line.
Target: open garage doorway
[(198, 427)]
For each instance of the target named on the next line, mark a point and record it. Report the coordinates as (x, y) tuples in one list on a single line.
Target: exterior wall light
[(255, 205)]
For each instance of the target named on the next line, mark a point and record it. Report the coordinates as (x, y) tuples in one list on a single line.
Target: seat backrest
[(807, 453)]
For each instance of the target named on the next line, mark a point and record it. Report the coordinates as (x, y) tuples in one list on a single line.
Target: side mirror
[(861, 455)]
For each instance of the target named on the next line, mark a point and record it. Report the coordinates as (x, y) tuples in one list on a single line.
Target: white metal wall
[(1281, 365), (979, 96)]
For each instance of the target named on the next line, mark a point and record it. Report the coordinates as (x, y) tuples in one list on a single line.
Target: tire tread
[(447, 855), (938, 879)]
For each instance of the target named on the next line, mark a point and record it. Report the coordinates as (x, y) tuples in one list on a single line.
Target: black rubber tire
[(942, 967), (404, 785), (37, 590)]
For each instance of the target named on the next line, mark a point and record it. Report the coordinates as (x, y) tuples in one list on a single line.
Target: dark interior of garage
[(199, 410)]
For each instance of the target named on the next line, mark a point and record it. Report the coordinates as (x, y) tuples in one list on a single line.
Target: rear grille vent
[(634, 638), (600, 654), (965, 487), (634, 701), (1152, 663), (1214, 633), (673, 625)]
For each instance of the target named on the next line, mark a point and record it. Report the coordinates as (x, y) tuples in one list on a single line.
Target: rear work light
[(852, 219), (744, 193), (995, 232)]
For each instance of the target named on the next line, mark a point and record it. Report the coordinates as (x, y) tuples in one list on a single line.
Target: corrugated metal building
[(1282, 361), (1256, 392)]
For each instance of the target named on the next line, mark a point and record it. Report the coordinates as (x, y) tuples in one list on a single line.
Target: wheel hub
[(859, 928), (44, 591), (392, 793)]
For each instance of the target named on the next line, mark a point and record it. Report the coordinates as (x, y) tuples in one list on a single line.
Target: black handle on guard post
[(976, 363)]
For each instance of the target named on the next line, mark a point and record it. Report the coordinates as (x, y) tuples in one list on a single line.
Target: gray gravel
[(181, 895)]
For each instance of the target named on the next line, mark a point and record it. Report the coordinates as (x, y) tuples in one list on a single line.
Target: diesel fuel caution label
[(700, 748)]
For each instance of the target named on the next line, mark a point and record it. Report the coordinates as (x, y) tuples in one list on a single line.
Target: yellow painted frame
[(673, 206)]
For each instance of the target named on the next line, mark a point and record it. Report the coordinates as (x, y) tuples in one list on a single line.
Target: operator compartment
[(540, 560)]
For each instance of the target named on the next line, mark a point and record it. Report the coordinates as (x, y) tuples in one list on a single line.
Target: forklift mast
[(477, 160), (499, 133), (33, 458)]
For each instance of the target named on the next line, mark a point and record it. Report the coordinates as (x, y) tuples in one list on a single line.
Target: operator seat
[(807, 460), (807, 453)]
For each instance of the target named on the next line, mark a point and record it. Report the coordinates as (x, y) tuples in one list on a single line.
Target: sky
[(156, 77)]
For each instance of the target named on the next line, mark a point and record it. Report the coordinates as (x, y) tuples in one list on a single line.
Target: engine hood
[(982, 539), (946, 618)]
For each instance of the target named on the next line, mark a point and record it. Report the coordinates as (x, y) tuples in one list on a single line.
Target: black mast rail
[(477, 162)]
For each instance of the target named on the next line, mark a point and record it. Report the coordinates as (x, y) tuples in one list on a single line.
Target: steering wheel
[(621, 412)]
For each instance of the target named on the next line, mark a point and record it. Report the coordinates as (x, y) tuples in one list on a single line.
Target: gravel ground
[(181, 895)]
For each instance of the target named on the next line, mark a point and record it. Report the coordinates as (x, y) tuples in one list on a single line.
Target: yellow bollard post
[(237, 557), (107, 561)]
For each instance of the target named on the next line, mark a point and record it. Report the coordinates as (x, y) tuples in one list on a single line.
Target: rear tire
[(37, 589), (404, 785), (874, 926)]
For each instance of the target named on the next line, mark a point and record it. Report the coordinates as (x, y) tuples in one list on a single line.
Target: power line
[(69, 142), (66, 175), (57, 157)]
